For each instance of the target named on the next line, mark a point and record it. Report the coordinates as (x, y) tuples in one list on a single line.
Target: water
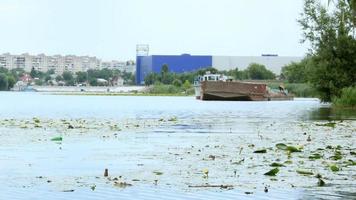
[(162, 145)]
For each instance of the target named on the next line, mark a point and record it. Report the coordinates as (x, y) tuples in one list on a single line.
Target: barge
[(220, 87)]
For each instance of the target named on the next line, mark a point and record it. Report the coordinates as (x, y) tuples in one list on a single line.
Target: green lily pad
[(276, 165), (293, 149), (57, 139), (304, 172), (158, 173), (272, 172), (281, 146), (334, 168), (329, 124), (260, 151), (315, 156)]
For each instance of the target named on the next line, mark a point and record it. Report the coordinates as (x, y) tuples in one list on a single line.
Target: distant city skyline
[(111, 29)]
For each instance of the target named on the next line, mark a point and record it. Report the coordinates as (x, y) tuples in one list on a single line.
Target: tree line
[(330, 66), (253, 72)]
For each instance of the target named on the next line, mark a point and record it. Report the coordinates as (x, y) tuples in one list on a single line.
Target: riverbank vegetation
[(330, 66), (92, 77), (8, 78)]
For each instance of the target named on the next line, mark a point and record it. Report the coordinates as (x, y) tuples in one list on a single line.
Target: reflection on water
[(328, 113)]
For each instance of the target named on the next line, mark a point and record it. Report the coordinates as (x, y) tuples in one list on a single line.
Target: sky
[(110, 29)]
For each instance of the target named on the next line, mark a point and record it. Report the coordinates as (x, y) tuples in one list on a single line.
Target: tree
[(295, 72), (333, 47), (186, 85), (165, 74), (68, 78), (59, 78), (259, 72), (81, 77), (10, 81), (3, 82)]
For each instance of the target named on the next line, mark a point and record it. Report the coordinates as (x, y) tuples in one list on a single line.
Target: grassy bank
[(347, 98), (298, 89), (163, 89)]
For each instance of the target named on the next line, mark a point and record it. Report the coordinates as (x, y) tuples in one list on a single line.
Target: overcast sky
[(110, 29)]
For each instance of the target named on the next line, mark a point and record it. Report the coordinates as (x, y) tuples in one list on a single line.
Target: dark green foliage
[(3, 82), (295, 72), (332, 63), (347, 98), (8, 78), (81, 77), (259, 72)]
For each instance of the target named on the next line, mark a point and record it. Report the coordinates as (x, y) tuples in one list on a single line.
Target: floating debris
[(106, 173)]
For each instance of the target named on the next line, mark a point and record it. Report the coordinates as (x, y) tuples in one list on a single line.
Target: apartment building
[(60, 63)]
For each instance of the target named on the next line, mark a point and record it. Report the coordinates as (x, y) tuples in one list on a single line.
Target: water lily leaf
[(329, 124), (158, 173), (272, 172), (281, 146), (315, 156), (276, 165), (293, 149), (304, 172), (57, 138), (260, 151), (334, 168), (337, 156)]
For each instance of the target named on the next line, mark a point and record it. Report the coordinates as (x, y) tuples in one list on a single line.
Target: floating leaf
[(158, 173), (293, 149), (281, 146), (304, 172), (272, 172), (334, 168), (337, 156), (315, 156), (329, 124), (276, 165), (57, 138), (260, 151)]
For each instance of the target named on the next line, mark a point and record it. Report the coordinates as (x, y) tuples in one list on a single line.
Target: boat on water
[(220, 87)]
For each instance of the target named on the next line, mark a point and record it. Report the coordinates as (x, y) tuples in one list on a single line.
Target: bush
[(347, 98), (164, 89)]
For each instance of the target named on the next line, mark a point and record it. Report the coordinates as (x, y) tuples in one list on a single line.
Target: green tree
[(81, 77), (3, 82), (296, 72), (165, 74), (333, 47), (259, 72), (68, 78), (59, 78), (10, 81), (186, 85)]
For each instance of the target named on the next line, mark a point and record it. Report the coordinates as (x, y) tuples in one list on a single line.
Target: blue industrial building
[(176, 63)]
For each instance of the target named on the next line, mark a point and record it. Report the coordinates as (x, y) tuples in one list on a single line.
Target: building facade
[(188, 63), (59, 63)]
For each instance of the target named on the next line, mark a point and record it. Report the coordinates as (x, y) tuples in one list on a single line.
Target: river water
[(172, 148)]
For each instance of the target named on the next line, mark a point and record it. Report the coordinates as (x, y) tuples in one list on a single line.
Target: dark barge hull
[(238, 91)]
